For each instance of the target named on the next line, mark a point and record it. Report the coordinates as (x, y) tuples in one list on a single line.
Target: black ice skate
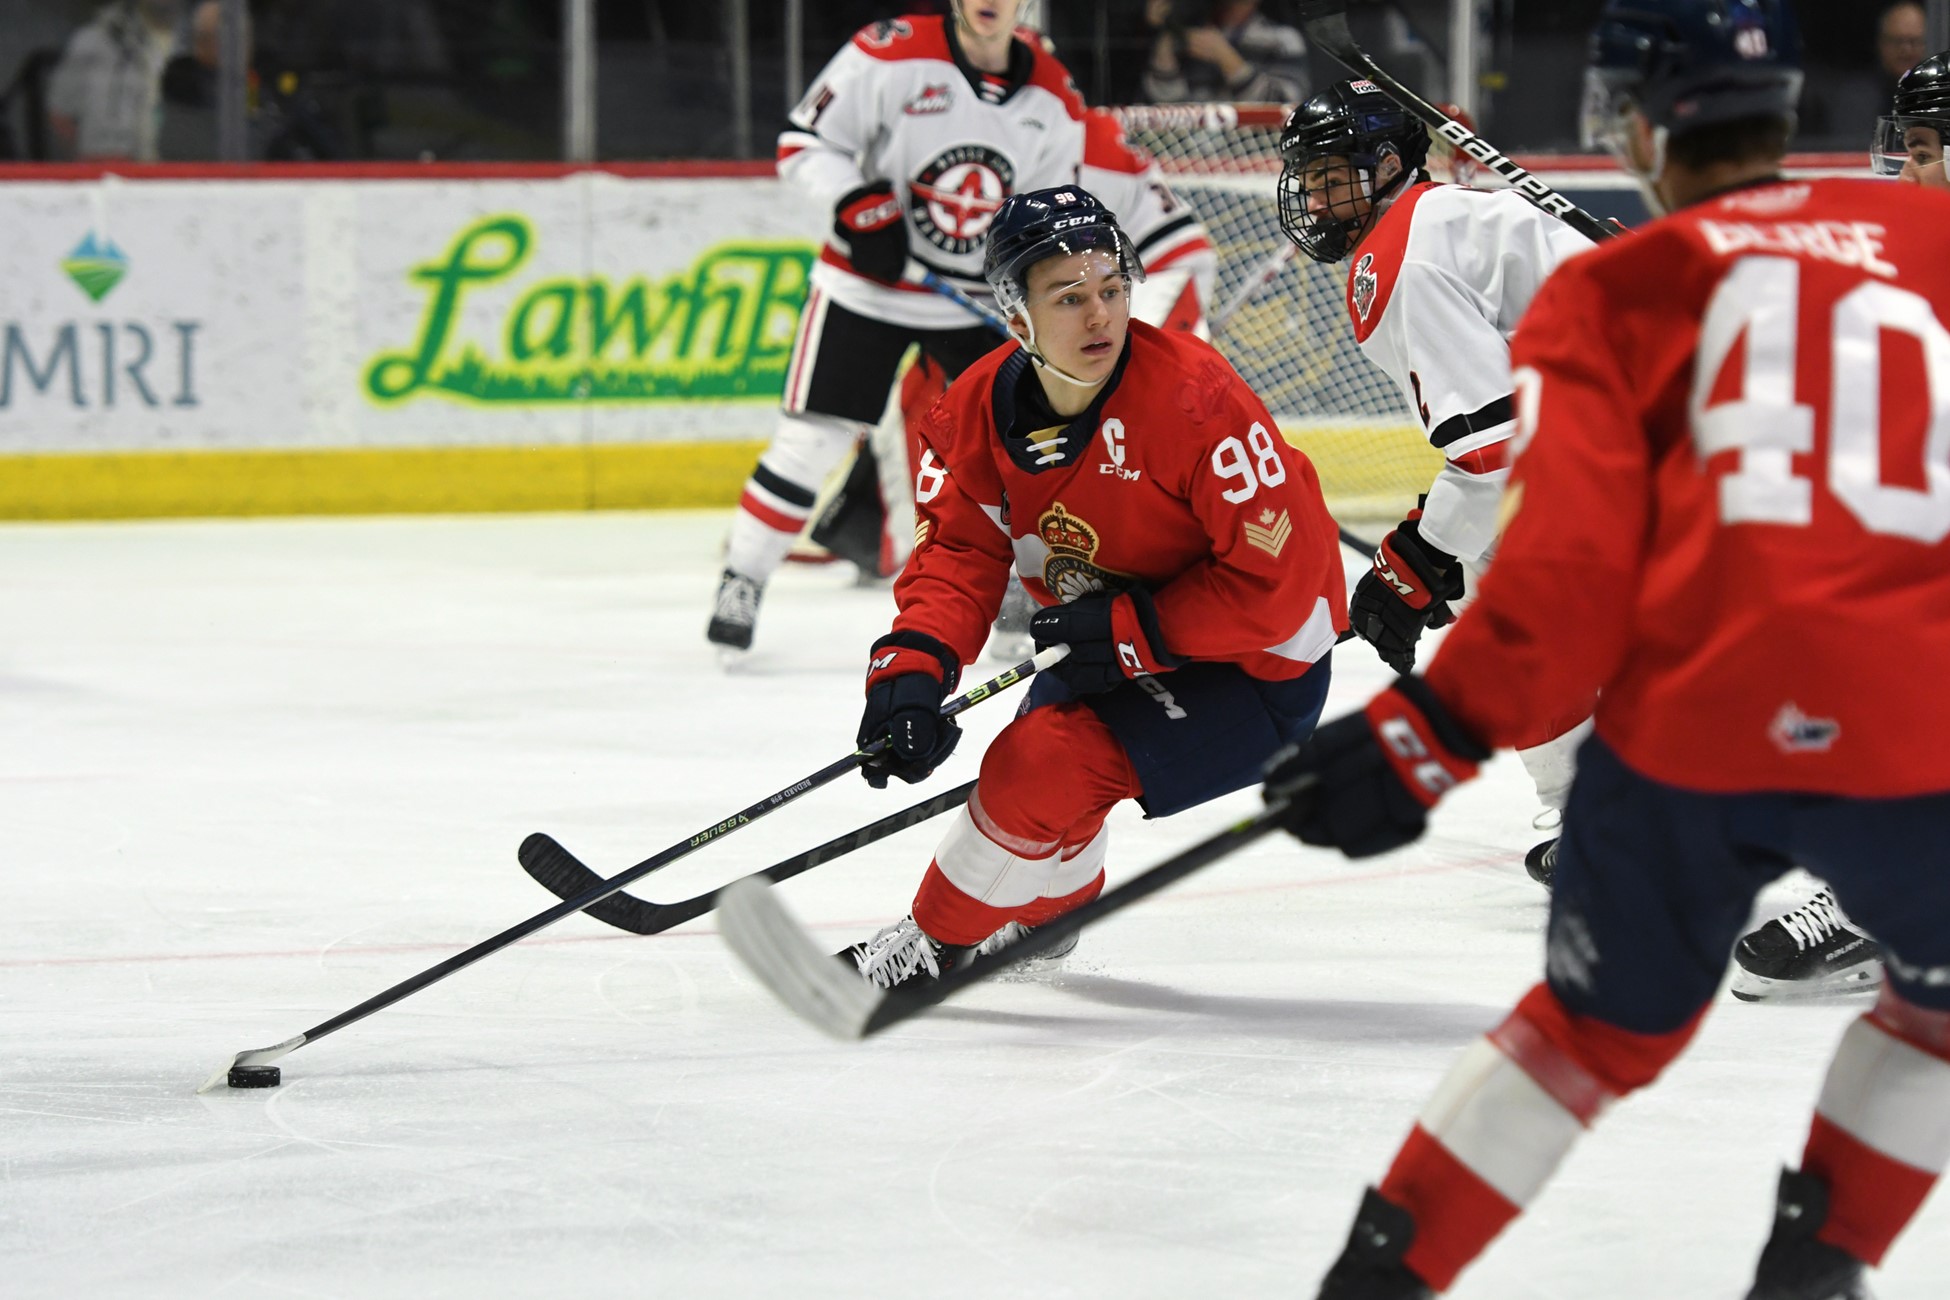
[(1541, 863), (1371, 1267), (904, 951), (1793, 1265), (734, 615), (1015, 930), (1810, 952)]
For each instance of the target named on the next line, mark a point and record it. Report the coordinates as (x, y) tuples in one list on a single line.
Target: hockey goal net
[(1282, 319)]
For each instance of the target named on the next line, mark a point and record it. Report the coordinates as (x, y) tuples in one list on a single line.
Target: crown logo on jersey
[(1065, 534), (1070, 570), (1365, 283)]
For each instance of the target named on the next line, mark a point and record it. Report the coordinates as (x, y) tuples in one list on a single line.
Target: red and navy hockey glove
[(910, 674), (869, 220), (1408, 589), (1113, 637), (1364, 783)]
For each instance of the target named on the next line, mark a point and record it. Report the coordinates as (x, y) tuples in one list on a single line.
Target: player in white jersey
[(1441, 274), (1181, 265), (911, 137)]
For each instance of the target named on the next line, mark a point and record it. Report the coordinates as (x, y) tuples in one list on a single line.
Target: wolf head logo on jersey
[(954, 198), (1365, 284)]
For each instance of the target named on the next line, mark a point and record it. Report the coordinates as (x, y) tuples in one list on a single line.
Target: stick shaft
[(1329, 31)]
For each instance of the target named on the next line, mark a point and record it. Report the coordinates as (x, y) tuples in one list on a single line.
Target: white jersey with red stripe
[(1435, 291), (901, 103), (1181, 265)]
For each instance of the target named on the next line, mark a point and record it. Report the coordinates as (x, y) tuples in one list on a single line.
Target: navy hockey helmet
[(1040, 224), (1922, 102), (1323, 210), (1687, 64)]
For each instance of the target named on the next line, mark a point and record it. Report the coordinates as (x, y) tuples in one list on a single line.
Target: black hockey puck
[(255, 1076)]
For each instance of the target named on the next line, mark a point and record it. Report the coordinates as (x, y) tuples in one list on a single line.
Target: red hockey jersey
[(1175, 479), (1729, 509)]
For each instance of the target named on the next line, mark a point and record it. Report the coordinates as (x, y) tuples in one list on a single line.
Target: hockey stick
[(986, 314), (782, 954), (566, 876), (1262, 275), (1325, 22), (262, 1056)]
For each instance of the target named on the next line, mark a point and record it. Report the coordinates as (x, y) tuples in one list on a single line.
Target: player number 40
[(1253, 462), (1760, 299)]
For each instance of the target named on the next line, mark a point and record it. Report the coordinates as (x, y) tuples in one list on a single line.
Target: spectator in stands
[(105, 94), (1237, 54), (189, 89), (1834, 111)]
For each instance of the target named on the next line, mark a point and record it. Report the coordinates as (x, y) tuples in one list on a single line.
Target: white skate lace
[(1814, 921), (737, 600), (897, 952)]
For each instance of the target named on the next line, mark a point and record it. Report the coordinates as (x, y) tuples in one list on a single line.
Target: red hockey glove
[(908, 677), (869, 221), (1408, 589), (1113, 637), (1364, 783)]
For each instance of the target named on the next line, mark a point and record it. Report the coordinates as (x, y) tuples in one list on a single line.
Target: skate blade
[(1856, 980)]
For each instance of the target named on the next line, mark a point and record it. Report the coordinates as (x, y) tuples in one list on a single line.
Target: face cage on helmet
[(1012, 287), (1889, 153), (1326, 236)]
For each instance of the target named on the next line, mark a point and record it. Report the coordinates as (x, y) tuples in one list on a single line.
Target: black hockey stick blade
[(603, 889), (782, 954), (1325, 22), (564, 875)]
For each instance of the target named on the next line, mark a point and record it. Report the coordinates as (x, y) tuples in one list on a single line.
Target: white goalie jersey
[(1181, 265), (900, 103), (1435, 292)]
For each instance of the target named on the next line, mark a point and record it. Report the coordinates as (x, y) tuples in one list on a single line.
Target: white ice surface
[(254, 773)]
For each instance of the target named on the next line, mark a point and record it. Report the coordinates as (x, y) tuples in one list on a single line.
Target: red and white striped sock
[(1881, 1132)]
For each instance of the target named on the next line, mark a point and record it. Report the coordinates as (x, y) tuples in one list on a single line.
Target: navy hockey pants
[(1655, 885), (1201, 731)]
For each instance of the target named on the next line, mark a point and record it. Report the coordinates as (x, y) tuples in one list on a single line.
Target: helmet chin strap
[(1027, 338)]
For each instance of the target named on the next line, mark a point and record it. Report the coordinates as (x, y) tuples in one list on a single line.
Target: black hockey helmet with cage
[(1687, 64), (1040, 224), (1356, 122), (1922, 100)]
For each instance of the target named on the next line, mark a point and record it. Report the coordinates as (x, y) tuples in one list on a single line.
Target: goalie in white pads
[(911, 137), (1440, 276)]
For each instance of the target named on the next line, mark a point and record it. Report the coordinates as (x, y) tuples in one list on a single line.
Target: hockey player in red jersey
[(1439, 275), (1178, 545), (1732, 483), (911, 137), (1180, 268)]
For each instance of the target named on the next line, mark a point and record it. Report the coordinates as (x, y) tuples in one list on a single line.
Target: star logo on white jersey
[(956, 195), (1366, 282)]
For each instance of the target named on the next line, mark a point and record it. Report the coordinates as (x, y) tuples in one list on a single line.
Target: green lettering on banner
[(720, 329)]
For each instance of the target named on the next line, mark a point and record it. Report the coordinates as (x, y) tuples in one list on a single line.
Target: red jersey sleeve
[(1273, 581), (1553, 615), (953, 583)]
